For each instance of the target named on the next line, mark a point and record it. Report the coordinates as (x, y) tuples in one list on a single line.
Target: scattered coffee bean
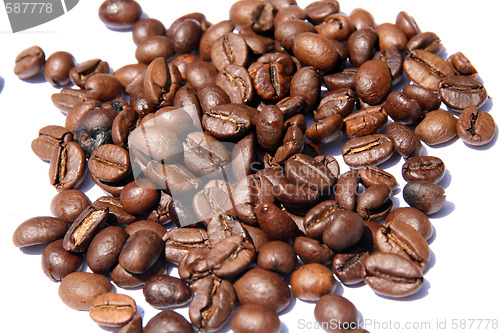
[(475, 128)]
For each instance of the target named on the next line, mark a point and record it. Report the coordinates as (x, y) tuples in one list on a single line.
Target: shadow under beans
[(335, 148), (433, 237), (290, 305), (39, 78), (395, 201), (418, 295), (446, 181), (34, 249), (487, 106), (447, 209), (284, 328), (2, 81), (392, 161), (431, 263), (87, 183), (488, 145)]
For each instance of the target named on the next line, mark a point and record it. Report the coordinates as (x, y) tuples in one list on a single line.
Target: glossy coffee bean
[(394, 59), (371, 149), (344, 231), (286, 30), (68, 204), (103, 87), (49, 137), (346, 191), (375, 202), (316, 51), (373, 81), (413, 217), (337, 309), (390, 36), (426, 69), (81, 72), (275, 222), (57, 67), (229, 49), (227, 122), (124, 279), (78, 289), (116, 212), (119, 14), (110, 163), (404, 139), (462, 64), (185, 35), (103, 251), (84, 228), (460, 92), (250, 192), (145, 28), (139, 196), (402, 109), (203, 154), (29, 62), (39, 230), (168, 321), (269, 128), (57, 262), (317, 11), (312, 251), (475, 128), (336, 26), (141, 251), (344, 79), (163, 291), (437, 127), (311, 281), (427, 98), (293, 143), (360, 45), (146, 224), (257, 15), (339, 101), (112, 309), (426, 196), (371, 175), (236, 82), (161, 82), (427, 168), (251, 318), (366, 121), (67, 98), (319, 217), (407, 23), (427, 41), (326, 130), (271, 82), (211, 35), (304, 170), (348, 265), (93, 129), (277, 256)]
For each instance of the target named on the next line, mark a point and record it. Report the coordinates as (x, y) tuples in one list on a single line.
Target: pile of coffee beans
[(210, 152)]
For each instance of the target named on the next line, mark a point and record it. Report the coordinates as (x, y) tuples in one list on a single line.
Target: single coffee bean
[(361, 18), (119, 14), (462, 64), (427, 168), (141, 251), (256, 14), (437, 127), (426, 196), (427, 41), (112, 309), (292, 107), (330, 162), (414, 218), (258, 237), (186, 35), (56, 68), (277, 256), (84, 228), (366, 121), (289, 26), (460, 92), (325, 130), (212, 303), (389, 274), (57, 262), (229, 49), (249, 192), (344, 231), (311, 281), (68, 204), (390, 36), (231, 256), (81, 72), (407, 23), (296, 197), (258, 44), (103, 87), (306, 82), (29, 62), (110, 163), (304, 170), (371, 175), (312, 251), (426, 69), (348, 265), (474, 127), (128, 73), (269, 128), (103, 251), (275, 222), (213, 34), (402, 109), (271, 82), (203, 154), (368, 240), (39, 230), (346, 191), (78, 289), (193, 266), (394, 59), (147, 27), (168, 321), (139, 196), (122, 126), (375, 202), (262, 287), (316, 51), (373, 81), (344, 79), (340, 101), (337, 309), (163, 291), (210, 202), (251, 318), (133, 326), (372, 149), (161, 82), (77, 111), (293, 143), (404, 139), (93, 129), (317, 11), (179, 241), (124, 279), (236, 82), (200, 73), (67, 98), (154, 47), (67, 166), (427, 98), (360, 45), (227, 122), (319, 217), (336, 26), (49, 137)]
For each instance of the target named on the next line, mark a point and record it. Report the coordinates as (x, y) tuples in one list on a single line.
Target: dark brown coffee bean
[(212, 303), (437, 127), (427, 41), (460, 92), (81, 72), (269, 128), (250, 192), (200, 73), (262, 287), (223, 226), (344, 79), (185, 34), (426, 196), (391, 275), (243, 157), (271, 82), (296, 196), (348, 265), (145, 28), (326, 130), (179, 241), (161, 82), (163, 291), (67, 166), (394, 59), (29, 62), (427, 99), (427, 168), (390, 36), (371, 175), (49, 137), (141, 251), (256, 14), (78, 289), (183, 61), (375, 202), (57, 262), (203, 154), (371, 149), (304, 170), (212, 95), (311, 281), (231, 256), (366, 121), (373, 81), (229, 49), (426, 69), (287, 26), (330, 162), (405, 141), (128, 73), (319, 217), (360, 45), (306, 82), (291, 108), (210, 202), (154, 47), (124, 279), (311, 250), (316, 51), (339, 310), (168, 321), (112, 309), (103, 87), (414, 218), (93, 129), (277, 256), (146, 224), (193, 266), (340, 101), (346, 191), (110, 163), (186, 98), (84, 228), (123, 124), (67, 98), (227, 122), (236, 82), (78, 111), (258, 44), (251, 318), (57, 67), (344, 231), (119, 14), (407, 23), (275, 222), (474, 127), (462, 64), (103, 251), (116, 212), (68, 204), (402, 109), (212, 35), (139, 196)]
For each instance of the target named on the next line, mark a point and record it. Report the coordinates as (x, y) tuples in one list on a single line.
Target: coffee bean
[(116, 212), (330, 162), (275, 222), (161, 82), (426, 69), (93, 129), (373, 81), (168, 321), (304, 170), (193, 266), (269, 128), (292, 107), (179, 241), (437, 127), (56, 68), (427, 41), (371, 175), (427, 99), (78, 289), (122, 126), (287, 25), (366, 121), (319, 217), (257, 15), (462, 64), (375, 202), (174, 178), (426, 196), (29, 62), (227, 122), (336, 26), (427, 168), (112, 309), (344, 231), (311, 281), (402, 109), (67, 166), (68, 204), (277, 256), (229, 49), (360, 45), (141, 251), (57, 262), (316, 51), (84, 228), (312, 251), (295, 196), (317, 11), (414, 218), (306, 82), (203, 154), (326, 130), (49, 137), (337, 309), (103, 251), (460, 92), (119, 14), (124, 279), (110, 163), (346, 191), (81, 72), (344, 79), (258, 44), (348, 265), (163, 291), (147, 27), (404, 139), (371, 149), (213, 34), (67, 98), (340, 101), (231, 256), (237, 83), (103, 87), (250, 192), (407, 23), (390, 36), (391, 275), (210, 202), (293, 143), (474, 127), (139, 196), (253, 318), (186, 35)]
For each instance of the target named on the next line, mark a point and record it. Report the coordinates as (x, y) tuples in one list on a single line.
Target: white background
[(462, 281)]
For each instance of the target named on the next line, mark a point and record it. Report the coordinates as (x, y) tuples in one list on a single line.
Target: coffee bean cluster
[(254, 81)]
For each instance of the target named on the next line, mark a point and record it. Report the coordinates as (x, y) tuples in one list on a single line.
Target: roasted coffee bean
[(243, 157), (213, 34), (183, 61), (193, 266), (340, 101), (211, 95), (49, 137), (128, 73), (275, 222), (348, 265), (173, 178), (335, 308), (141, 250), (375, 202), (360, 45), (271, 82), (161, 82), (67, 98), (258, 44), (200, 73), (186, 98), (291, 108), (110, 163), (256, 14), (427, 168), (163, 291), (222, 226), (236, 82), (57, 262), (306, 82), (366, 121), (119, 14), (81, 72), (373, 81), (93, 129), (368, 240), (179, 241), (426, 69), (250, 192), (154, 47), (145, 28), (460, 92), (336, 26), (231, 256), (212, 303), (229, 49), (462, 64), (390, 36), (474, 127), (304, 170), (404, 139), (269, 128), (160, 213), (262, 287), (251, 318), (427, 41), (311, 281), (112, 189), (173, 119), (344, 230), (116, 212), (277, 256), (316, 51), (330, 162), (139, 196), (227, 122), (287, 28), (68, 204), (407, 23), (103, 251), (133, 326), (210, 202), (78, 289), (371, 175), (103, 87), (391, 275), (427, 99), (361, 18), (312, 251), (122, 126), (203, 154), (426, 196), (124, 279), (317, 11), (56, 68), (414, 218), (185, 35), (437, 127), (29, 62), (84, 228), (168, 321), (112, 309), (67, 166), (293, 143), (77, 111), (344, 79), (146, 224), (402, 109), (325, 130), (346, 191), (371, 149), (296, 196), (394, 59)]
